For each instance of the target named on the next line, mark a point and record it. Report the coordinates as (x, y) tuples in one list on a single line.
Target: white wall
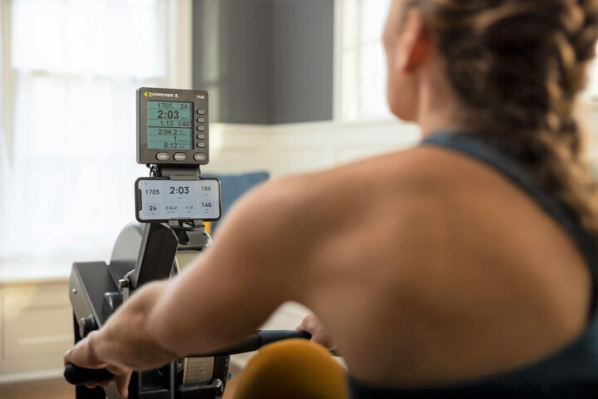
[(36, 328), (295, 148)]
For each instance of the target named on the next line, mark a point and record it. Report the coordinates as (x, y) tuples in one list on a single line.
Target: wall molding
[(36, 328), (295, 148), (303, 147), (32, 376)]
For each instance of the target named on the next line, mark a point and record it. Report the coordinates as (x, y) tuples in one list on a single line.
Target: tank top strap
[(471, 145)]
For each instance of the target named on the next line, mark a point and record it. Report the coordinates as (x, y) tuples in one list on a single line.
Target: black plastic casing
[(199, 98)]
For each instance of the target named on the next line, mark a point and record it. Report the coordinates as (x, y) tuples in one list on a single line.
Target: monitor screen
[(163, 199), (170, 125)]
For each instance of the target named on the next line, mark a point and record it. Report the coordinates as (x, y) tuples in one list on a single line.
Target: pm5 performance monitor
[(172, 127)]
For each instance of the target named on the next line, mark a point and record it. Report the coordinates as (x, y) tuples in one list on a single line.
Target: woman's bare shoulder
[(308, 207)]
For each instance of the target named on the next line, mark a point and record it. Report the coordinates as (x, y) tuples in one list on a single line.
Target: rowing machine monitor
[(172, 127)]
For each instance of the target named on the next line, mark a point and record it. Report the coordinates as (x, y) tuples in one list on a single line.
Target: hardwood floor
[(44, 389)]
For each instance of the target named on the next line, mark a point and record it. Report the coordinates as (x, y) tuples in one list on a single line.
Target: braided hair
[(517, 66)]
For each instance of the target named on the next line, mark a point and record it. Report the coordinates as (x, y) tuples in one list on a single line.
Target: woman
[(468, 263)]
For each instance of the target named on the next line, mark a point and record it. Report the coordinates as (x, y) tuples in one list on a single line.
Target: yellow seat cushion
[(292, 369)]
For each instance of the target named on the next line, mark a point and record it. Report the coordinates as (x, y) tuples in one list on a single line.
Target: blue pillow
[(233, 187)]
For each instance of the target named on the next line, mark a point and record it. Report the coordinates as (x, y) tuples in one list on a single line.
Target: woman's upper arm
[(253, 266)]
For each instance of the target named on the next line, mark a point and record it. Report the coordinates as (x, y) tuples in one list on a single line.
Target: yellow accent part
[(292, 369), (208, 227)]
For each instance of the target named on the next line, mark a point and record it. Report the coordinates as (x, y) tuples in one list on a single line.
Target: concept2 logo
[(150, 94)]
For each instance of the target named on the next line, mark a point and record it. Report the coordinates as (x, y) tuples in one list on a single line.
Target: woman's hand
[(319, 335), (83, 355)]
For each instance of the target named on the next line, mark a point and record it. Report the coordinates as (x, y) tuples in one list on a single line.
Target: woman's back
[(443, 271)]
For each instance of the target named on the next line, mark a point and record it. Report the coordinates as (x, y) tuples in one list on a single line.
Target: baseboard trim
[(31, 376)]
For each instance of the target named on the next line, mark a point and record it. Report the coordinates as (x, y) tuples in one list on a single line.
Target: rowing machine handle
[(256, 341), (76, 375)]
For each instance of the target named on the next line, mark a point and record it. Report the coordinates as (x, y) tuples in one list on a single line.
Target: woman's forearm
[(125, 339)]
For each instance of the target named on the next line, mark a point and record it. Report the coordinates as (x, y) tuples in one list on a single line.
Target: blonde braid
[(518, 66), (576, 47)]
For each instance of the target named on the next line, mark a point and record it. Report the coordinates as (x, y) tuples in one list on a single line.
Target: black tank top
[(571, 372)]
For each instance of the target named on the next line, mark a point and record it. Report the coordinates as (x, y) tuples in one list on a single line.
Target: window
[(591, 93), (68, 153), (361, 92), (361, 64)]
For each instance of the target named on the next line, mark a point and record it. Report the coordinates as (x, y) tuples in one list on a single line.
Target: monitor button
[(201, 136), (201, 120), (201, 145), (201, 111), (200, 156), (179, 156), (163, 156), (201, 128)]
